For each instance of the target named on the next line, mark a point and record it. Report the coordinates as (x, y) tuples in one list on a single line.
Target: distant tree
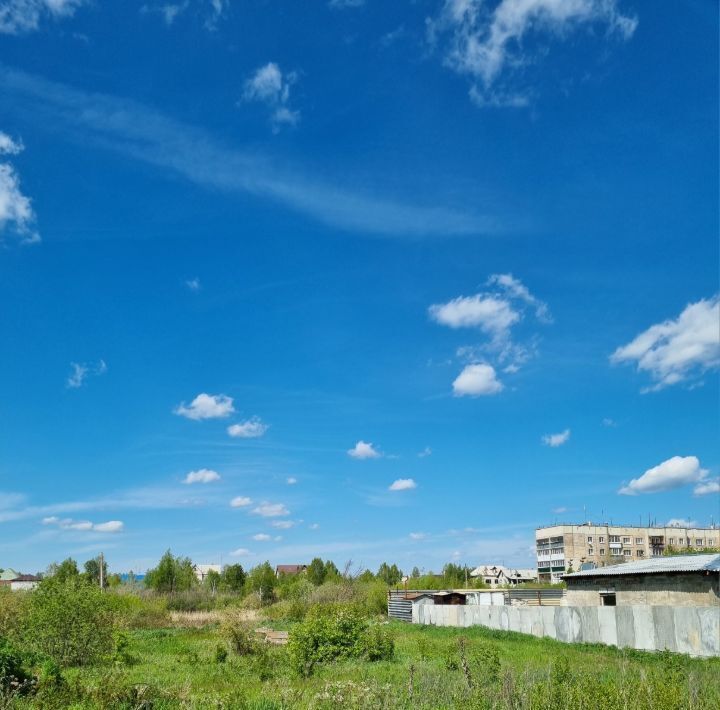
[(92, 571), (173, 574), (415, 573), (64, 571), (212, 581), (366, 576), (332, 573), (316, 571), (390, 574), (113, 580), (262, 580), (233, 578)]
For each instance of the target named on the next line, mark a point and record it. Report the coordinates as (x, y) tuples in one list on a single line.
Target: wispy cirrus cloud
[(136, 131), (270, 86), (22, 16), (79, 373), (493, 45)]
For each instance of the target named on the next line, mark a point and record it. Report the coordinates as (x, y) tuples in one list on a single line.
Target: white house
[(499, 576)]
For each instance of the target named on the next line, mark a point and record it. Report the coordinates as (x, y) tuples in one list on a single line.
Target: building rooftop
[(655, 565)]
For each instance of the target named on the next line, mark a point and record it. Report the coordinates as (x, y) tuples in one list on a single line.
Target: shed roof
[(7, 574), (655, 565)]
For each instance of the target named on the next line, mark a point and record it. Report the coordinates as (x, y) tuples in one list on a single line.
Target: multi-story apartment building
[(564, 548)]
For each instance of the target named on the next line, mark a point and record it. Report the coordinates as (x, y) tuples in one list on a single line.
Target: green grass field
[(179, 667)]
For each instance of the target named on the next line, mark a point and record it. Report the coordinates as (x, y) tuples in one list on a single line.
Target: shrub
[(329, 635), (13, 676), (239, 634), (12, 611), (70, 622), (379, 644), (221, 654)]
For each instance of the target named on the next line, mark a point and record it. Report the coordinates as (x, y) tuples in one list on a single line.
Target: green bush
[(239, 634), (12, 611), (14, 677), (70, 622), (329, 635)]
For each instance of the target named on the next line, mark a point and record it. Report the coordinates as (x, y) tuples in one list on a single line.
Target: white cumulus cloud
[(111, 526), (270, 86), (241, 552), (364, 450), (675, 472), (706, 488), (250, 429), (291, 480), (402, 484), (488, 44), (271, 510), (681, 523), (203, 475), (16, 211), (283, 524), (240, 502), (206, 406), (261, 537), (677, 350), (476, 381), (556, 440), (495, 313), (417, 536)]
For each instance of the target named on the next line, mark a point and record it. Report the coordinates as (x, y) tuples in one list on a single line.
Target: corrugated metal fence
[(400, 601)]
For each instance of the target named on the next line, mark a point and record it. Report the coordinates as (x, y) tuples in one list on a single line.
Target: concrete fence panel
[(692, 630)]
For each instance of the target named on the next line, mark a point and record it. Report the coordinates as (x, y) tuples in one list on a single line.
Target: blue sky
[(401, 280)]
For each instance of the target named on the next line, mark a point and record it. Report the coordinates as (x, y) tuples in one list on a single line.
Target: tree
[(92, 571), (366, 576), (415, 572), (455, 575), (233, 578), (389, 574), (64, 571), (263, 581), (212, 581), (316, 571), (173, 574), (332, 573)]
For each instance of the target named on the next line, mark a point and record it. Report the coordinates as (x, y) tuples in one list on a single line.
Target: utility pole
[(102, 572)]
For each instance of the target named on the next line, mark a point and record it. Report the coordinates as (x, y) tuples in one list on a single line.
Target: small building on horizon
[(201, 571), (16, 582), (501, 576), (289, 569), (678, 580)]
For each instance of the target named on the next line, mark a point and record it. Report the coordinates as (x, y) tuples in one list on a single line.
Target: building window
[(699, 541), (614, 538), (640, 553), (711, 542), (589, 538), (601, 539), (627, 553), (672, 540), (626, 541), (608, 599), (602, 552), (638, 541), (590, 551)]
